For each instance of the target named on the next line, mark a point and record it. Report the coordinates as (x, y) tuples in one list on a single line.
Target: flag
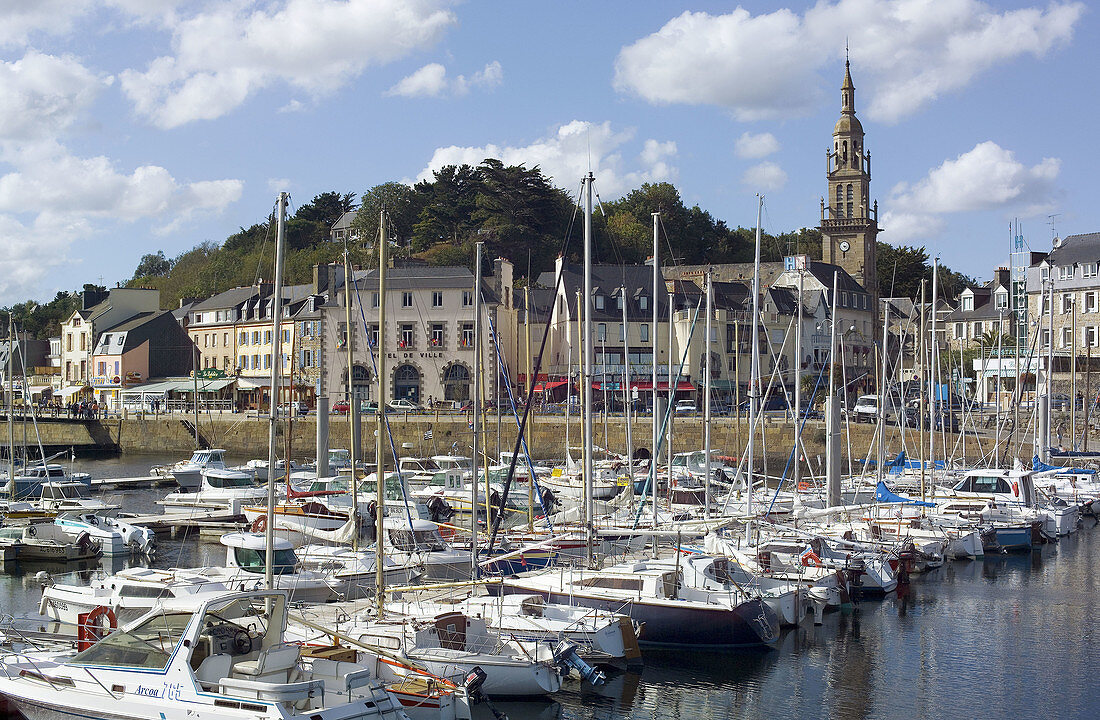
[(428, 434)]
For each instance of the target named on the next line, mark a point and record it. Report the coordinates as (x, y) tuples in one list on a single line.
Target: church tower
[(849, 223)]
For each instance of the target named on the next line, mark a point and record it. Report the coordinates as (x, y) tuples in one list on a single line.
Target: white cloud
[(755, 146), (71, 200), (985, 178), (765, 176), (428, 81), (431, 81), (910, 227), (24, 20), (906, 53), (568, 153), (43, 95), (229, 51)]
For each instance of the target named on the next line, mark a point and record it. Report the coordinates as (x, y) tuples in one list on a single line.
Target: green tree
[(153, 266), (402, 205), (449, 202)]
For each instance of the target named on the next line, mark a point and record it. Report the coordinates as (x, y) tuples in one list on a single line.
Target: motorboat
[(305, 515), (352, 573), (188, 473), (421, 544), (245, 566), (71, 496), (45, 542), (113, 536), (225, 657), (219, 489), (652, 593), (27, 482)]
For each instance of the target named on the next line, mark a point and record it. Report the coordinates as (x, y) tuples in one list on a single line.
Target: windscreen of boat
[(252, 560), (229, 481), (411, 540), (149, 645)]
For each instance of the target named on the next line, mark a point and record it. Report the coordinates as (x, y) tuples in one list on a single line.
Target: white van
[(867, 408)]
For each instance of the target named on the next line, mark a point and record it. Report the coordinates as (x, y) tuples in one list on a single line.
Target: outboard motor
[(439, 510), (565, 657), (856, 569), (472, 683), (548, 500)]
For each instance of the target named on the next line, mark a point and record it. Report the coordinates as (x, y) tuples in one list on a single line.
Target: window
[(68, 342), (1067, 337), (1090, 302), (374, 300), (225, 339), (599, 302), (242, 362), (601, 332), (467, 334), (968, 303), (439, 334), (960, 330), (267, 361), (225, 363), (1065, 272), (619, 302), (644, 330), (1046, 338), (1088, 270), (977, 328), (643, 302), (437, 298), (1067, 303), (405, 336), (256, 362), (83, 341), (256, 337), (468, 298), (372, 335), (1089, 340), (1002, 300), (198, 317), (267, 337), (843, 298), (622, 332), (244, 338), (1044, 273), (406, 299)]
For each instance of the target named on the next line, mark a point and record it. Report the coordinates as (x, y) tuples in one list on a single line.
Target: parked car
[(340, 406), (685, 407), (402, 405), (867, 409), (298, 409)]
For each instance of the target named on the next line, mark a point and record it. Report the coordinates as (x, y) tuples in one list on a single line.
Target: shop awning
[(248, 383), (204, 385), (155, 388), (547, 386), (681, 386), (39, 389), (72, 390)]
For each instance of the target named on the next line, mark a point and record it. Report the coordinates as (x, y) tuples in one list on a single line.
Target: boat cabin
[(248, 551), (423, 536), (999, 486)]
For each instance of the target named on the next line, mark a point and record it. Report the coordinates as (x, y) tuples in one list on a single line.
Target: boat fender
[(31, 531), (259, 524), (1016, 488)]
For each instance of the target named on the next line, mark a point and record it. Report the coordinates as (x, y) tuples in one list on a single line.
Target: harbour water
[(1007, 636)]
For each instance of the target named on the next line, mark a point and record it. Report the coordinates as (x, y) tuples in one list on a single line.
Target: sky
[(134, 126)]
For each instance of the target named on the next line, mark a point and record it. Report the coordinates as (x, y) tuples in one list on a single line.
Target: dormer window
[(599, 302), (643, 302), (1044, 273), (967, 303), (1088, 270), (1002, 300), (1065, 272)]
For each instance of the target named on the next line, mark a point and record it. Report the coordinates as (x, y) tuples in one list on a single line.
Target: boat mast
[(530, 415), (883, 393), (476, 409), (796, 474), (934, 357), (276, 366), (754, 359), (921, 413), (626, 403), (353, 401), (706, 394), (11, 409), (586, 371), (380, 422), (653, 337)]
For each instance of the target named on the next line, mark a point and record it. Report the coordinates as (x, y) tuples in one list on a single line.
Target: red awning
[(545, 386), (683, 385)]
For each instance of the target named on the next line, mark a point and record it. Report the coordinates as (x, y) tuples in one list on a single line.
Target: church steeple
[(849, 222), (847, 92)]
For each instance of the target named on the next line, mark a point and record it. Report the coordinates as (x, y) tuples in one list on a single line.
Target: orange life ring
[(804, 486), (259, 524), (811, 559), (90, 630)]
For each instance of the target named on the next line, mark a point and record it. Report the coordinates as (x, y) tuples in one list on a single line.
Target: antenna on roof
[(1053, 220)]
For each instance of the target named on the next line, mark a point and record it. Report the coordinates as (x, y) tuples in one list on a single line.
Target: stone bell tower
[(849, 222)]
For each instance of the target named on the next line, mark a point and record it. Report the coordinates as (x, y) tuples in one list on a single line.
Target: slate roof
[(1076, 249)]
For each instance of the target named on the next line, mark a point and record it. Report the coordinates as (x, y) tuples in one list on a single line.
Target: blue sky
[(131, 126)]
